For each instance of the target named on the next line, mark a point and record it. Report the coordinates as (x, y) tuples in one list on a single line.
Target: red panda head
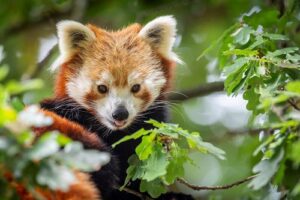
[(116, 75)]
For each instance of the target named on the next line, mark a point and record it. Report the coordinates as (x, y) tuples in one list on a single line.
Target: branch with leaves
[(256, 64), (160, 156)]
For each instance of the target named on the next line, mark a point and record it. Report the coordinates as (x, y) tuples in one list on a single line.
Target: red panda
[(108, 83)]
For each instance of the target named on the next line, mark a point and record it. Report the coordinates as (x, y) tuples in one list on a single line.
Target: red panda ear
[(160, 33), (72, 37)]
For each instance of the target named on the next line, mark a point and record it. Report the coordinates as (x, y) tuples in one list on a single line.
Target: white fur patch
[(78, 87), (66, 30), (155, 81), (105, 78), (160, 33)]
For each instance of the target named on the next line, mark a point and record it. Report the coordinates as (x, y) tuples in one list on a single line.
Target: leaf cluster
[(260, 60), (160, 157)]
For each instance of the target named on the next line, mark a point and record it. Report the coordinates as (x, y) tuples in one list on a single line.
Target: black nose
[(120, 114)]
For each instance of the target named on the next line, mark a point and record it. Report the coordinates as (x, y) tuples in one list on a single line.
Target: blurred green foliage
[(45, 162)]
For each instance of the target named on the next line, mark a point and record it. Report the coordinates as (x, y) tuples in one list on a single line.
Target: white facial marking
[(78, 87), (105, 78), (122, 96), (155, 81)]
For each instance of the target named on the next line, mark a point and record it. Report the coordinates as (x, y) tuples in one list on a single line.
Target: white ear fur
[(160, 33), (71, 37)]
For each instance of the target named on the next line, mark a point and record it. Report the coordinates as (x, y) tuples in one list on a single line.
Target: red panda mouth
[(120, 123)]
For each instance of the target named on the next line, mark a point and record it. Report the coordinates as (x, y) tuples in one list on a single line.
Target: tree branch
[(293, 104), (202, 90), (135, 193), (41, 20), (76, 13), (40, 65), (222, 187)]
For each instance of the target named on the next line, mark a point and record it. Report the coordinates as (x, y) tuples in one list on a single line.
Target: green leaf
[(242, 35), (175, 168), (135, 170), (232, 82), (238, 63), (145, 148), (195, 142), (241, 52), (25, 137), (155, 123), (17, 104), (45, 146), (154, 188), (273, 194), (295, 152), (266, 170), (63, 140), (252, 98), (15, 87), (293, 58), (258, 41), (293, 86), (75, 156), (133, 136), (219, 153), (55, 176), (138, 169), (156, 165), (218, 41), (274, 36), (7, 114), (280, 52)]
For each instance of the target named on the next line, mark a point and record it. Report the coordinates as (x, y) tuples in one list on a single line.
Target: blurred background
[(28, 46)]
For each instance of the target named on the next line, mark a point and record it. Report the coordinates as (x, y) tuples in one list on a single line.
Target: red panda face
[(116, 75)]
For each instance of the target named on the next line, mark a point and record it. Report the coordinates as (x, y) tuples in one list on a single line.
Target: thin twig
[(76, 13), (222, 187), (135, 193), (130, 191), (294, 105), (40, 65), (38, 21), (202, 90)]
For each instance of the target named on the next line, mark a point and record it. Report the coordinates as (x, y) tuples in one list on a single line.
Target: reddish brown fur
[(71, 129), (67, 71), (168, 68), (82, 189), (120, 53), (144, 94)]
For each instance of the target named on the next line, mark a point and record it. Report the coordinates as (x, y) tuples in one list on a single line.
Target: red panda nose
[(120, 114)]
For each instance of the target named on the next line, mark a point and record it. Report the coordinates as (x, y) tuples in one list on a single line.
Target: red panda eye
[(102, 89), (135, 88)]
